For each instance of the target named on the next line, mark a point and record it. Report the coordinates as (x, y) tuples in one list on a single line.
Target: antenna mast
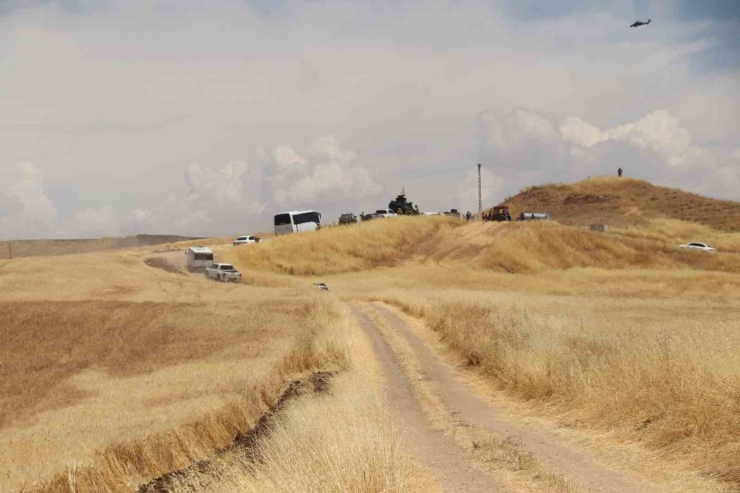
[(480, 198)]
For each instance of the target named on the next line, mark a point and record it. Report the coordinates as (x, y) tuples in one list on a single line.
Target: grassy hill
[(624, 201)]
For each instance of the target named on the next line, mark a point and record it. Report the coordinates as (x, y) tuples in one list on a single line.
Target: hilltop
[(624, 202)]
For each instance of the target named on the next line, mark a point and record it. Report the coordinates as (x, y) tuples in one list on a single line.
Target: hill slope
[(624, 201)]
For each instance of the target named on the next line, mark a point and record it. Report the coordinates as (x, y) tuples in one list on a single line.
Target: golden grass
[(620, 331), (127, 371), (335, 442), (513, 467), (666, 373), (132, 371), (342, 249)]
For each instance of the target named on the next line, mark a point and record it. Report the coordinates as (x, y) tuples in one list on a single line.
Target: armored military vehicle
[(402, 206)]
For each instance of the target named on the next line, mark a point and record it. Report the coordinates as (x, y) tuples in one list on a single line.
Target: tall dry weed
[(673, 387)]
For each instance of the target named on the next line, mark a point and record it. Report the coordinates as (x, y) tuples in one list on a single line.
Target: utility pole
[(480, 198)]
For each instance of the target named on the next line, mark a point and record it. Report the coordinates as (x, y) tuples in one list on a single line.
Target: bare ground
[(435, 451)]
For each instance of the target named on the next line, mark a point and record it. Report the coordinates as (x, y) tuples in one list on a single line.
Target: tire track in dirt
[(434, 450), (460, 401)]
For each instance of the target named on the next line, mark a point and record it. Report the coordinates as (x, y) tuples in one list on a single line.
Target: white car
[(243, 240), (699, 246), (223, 272), (384, 213)]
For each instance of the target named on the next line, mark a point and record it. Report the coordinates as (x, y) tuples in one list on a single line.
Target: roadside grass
[(513, 467), (334, 442), (658, 372)]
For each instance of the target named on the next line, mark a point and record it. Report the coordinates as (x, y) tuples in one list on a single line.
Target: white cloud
[(29, 213), (244, 192), (117, 101), (467, 190), (655, 147)]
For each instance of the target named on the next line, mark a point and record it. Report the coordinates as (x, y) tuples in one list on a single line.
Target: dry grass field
[(622, 331), (126, 371), (132, 370)]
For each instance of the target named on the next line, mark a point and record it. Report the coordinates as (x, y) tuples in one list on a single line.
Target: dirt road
[(431, 448), (463, 405)]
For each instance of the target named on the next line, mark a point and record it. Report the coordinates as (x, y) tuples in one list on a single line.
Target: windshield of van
[(282, 219), (203, 256)]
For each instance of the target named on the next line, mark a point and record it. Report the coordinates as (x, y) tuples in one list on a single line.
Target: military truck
[(401, 206)]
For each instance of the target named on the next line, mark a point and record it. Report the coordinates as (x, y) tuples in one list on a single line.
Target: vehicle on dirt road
[(245, 240), (199, 258), (297, 222), (348, 218), (702, 247), (224, 273)]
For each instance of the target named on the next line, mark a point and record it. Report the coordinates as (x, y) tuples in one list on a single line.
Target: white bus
[(297, 222)]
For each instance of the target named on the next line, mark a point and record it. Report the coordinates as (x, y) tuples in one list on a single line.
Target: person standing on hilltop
[(619, 172)]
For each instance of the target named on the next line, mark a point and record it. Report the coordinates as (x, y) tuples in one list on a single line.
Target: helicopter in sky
[(640, 23)]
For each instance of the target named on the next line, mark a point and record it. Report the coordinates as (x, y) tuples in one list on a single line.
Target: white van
[(297, 222), (199, 258)]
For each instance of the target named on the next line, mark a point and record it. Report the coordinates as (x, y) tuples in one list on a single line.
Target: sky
[(122, 117)]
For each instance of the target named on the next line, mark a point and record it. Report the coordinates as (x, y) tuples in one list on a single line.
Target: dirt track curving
[(431, 448), (469, 409)]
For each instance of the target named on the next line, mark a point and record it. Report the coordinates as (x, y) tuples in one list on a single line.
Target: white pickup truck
[(223, 272), (384, 213)]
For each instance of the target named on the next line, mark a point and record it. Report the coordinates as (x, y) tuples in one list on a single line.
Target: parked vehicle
[(403, 206), (533, 216), (384, 213), (224, 273), (498, 213), (199, 258), (703, 247), (348, 218), (297, 222), (243, 240)]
